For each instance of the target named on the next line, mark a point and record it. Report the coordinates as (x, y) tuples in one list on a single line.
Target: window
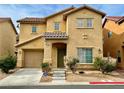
[(118, 56), (109, 34), (79, 22), (34, 29), (89, 22), (56, 26), (85, 55)]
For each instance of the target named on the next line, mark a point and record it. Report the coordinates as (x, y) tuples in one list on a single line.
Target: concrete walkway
[(23, 77), (31, 77)]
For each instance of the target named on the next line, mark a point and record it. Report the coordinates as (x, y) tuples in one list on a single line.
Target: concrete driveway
[(24, 76)]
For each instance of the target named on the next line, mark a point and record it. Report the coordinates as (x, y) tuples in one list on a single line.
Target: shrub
[(105, 66), (45, 65), (98, 63), (72, 64), (45, 68), (8, 63)]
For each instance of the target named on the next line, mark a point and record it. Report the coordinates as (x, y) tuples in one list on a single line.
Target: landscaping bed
[(95, 76), (46, 79), (4, 75)]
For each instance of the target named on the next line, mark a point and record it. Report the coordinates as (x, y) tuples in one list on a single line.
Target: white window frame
[(80, 23), (55, 26), (84, 55), (89, 23), (34, 27)]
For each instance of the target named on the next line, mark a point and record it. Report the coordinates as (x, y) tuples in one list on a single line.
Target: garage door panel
[(33, 58)]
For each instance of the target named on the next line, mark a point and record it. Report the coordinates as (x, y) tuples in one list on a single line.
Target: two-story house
[(7, 37), (114, 38), (72, 32)]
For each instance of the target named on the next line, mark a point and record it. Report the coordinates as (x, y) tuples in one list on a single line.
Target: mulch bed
[(4, 75), (46, 79), (93, 76)]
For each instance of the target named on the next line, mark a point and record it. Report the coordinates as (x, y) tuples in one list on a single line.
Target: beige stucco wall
[(114, 43), (26, 31), (7, 38), (50, 52), (35, 44), (57, 18), (76, 38)]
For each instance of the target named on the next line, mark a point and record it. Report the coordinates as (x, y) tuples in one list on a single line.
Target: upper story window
[(57, 26), (84, 22), (109, 34), (34, 28), (79, 22), (89, 22)]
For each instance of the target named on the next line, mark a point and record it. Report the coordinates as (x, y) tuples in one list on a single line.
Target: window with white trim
[(56, 26), (34, 29), (85, 55), (79, 22), (89, 23)]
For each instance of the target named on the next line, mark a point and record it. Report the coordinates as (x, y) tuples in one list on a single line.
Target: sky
[(18, 11)]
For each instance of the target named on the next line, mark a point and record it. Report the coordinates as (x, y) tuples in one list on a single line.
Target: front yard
[(96, 76)]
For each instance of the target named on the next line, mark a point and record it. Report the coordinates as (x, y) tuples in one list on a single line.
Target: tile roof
[(55, 35), (62, 11), (114, 18), (4, 19), (66, 12), (42, 20), (121, 19), (117, 19), (84, 7), (32, 19)]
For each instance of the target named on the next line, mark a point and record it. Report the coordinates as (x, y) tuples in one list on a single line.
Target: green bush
[(44, 65), (45, 68), (8, 63), (72, 64), (105, 66), (98, 63)]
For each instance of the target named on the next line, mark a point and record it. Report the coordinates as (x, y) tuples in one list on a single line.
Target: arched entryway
[(58, 53)]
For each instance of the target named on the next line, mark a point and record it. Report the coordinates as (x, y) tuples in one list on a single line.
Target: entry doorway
[(60, 57)]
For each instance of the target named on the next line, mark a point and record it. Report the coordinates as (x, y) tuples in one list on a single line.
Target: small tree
[(72, 64), (8, 63)]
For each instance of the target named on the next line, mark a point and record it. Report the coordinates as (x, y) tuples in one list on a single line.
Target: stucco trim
[(27, 41)]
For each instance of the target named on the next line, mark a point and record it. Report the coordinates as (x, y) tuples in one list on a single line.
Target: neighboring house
[(7, 37), (72, 32), (114, 38)]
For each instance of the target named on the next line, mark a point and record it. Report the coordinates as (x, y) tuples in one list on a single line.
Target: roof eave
[(83, 7)]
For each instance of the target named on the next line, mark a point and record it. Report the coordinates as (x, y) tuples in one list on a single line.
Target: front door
[(60, 57)]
